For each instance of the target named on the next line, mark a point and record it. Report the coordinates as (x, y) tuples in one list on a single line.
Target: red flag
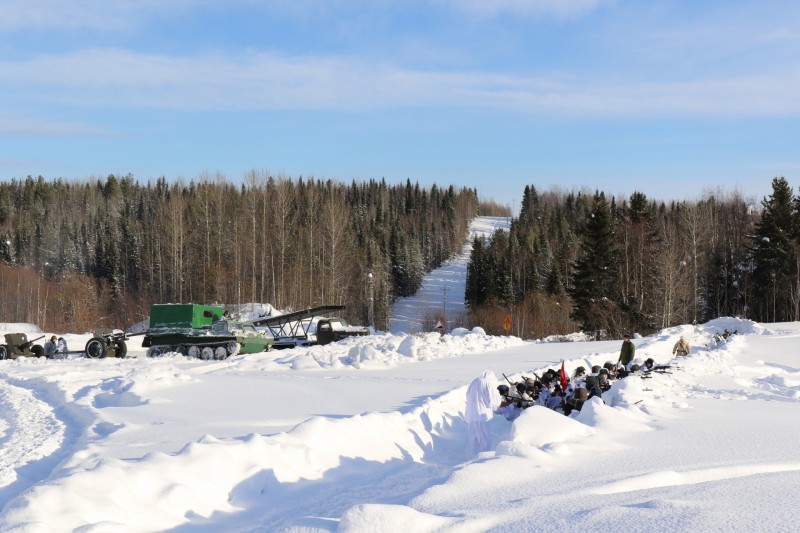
[(563, 377)]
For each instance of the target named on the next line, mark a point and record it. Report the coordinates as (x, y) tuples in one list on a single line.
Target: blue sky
[(671, 98)]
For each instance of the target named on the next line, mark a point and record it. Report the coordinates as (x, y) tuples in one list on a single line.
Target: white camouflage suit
[(482, 399)]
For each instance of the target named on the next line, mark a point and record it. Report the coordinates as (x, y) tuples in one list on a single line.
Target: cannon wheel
[(207, 353), (122, 349), (3, 352), (37, 350), (193, 351), (96, 348)]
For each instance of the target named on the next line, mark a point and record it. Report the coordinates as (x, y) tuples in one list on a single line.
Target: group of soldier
[(553, 389), (566, 394)]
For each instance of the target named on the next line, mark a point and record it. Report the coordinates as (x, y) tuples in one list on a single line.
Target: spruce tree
[(595, 273), (774, 256)]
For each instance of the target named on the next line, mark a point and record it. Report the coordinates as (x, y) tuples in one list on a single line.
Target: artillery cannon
[(18, 345), (107, 342)]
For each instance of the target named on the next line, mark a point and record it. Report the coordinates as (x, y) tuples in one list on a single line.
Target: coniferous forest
[(607, 266), (75, 255)]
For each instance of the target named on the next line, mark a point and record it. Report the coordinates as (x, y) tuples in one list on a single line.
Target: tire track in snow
[(30, 431)]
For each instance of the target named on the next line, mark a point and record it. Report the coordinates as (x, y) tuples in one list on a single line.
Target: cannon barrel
[(29, 342)]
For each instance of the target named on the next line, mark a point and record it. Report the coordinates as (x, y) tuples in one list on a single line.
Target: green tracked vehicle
[(201, 331)]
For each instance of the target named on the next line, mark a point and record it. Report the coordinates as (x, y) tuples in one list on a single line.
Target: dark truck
[(201, 331), (294, 329), (335, 329)]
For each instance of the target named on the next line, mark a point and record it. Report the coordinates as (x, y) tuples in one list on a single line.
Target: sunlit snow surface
[(366, 435)]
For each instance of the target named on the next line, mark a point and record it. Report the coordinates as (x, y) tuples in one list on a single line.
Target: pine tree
[(774, 256)]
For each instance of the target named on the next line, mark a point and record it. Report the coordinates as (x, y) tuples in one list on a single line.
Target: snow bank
[(159, 491), (387, 350), (19, 327)]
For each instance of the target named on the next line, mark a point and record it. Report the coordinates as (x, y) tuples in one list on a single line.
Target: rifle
[(519, 399), (661, 369)]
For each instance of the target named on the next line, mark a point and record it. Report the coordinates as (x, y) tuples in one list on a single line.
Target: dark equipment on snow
[(18, 345), (200, 331), (107, 342), (661, 369), (292, 329)]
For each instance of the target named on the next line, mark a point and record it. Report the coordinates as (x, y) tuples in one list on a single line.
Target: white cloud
[(260, 81), (110, 15), (21, 126), (557, 8), (82, 14)]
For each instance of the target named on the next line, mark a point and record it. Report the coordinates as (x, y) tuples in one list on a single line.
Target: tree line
[(607, 266), (80, 254)]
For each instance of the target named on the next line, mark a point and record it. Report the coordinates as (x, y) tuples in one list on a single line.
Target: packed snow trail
[(30, 432), (444, 287)]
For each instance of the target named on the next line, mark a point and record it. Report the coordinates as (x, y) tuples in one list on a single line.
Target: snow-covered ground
[(444, 287), (368, 435)]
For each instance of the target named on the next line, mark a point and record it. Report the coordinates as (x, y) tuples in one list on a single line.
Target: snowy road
[(442, 289)]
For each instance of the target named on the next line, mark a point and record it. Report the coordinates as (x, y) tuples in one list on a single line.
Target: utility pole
[(444, 303), (371, 311)]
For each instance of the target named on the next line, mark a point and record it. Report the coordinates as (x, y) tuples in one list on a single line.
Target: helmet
[(520, 388), (603, 372), (595, 369), (503, 390), (635, 368), (649, 363), (53, 338), (608, 365)]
